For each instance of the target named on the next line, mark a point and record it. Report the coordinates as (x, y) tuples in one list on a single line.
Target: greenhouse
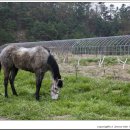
[(112, 45)]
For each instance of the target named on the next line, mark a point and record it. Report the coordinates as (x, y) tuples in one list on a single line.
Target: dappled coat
[(24, 59)]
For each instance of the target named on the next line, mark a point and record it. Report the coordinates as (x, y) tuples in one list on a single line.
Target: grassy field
[(84, 99)]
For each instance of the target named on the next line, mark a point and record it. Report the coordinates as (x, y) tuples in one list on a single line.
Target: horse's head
[(55, 87), (57, 82)]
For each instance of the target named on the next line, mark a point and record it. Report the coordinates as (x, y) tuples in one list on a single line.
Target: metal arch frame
[(105, 42), (117, 44)]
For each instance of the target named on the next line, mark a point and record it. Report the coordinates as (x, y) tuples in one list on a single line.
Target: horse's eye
[(56, 88)]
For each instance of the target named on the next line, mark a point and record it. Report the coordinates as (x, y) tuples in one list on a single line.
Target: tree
[(61, 20)]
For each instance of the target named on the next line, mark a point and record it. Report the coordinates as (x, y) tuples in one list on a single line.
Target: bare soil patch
[(115, 71)]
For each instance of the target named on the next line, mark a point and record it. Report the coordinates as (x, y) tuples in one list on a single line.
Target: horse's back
[(30, 58), (34, 52), (25, 58)]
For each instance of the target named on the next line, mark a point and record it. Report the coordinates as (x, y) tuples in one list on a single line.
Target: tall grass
[(81, 99)]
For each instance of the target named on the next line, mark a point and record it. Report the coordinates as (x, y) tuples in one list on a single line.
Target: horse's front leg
[(12, 78), (39, 78), (6, 78)]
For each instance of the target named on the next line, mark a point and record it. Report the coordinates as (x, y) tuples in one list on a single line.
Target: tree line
[(42, 21)]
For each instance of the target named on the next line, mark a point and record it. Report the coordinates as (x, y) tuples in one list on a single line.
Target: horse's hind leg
[(6, 78), (12, 76)]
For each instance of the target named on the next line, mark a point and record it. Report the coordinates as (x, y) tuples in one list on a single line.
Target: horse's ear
[(60, 83)]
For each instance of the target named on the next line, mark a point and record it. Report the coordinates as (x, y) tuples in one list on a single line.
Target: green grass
[(109, 60), (88, 61), (84, 99)]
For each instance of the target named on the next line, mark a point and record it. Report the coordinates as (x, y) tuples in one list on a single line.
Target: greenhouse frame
[(115, 45), (112, 45)]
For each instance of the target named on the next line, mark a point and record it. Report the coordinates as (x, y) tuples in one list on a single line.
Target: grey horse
[(37, 60)]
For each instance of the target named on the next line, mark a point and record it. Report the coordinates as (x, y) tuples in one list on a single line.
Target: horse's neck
[(53, 67)]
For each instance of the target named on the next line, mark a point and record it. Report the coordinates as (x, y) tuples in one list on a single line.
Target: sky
[(117, 4)]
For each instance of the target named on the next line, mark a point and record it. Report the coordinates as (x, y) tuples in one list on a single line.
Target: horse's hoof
[(6, 96), (15, 94), (37, 98)]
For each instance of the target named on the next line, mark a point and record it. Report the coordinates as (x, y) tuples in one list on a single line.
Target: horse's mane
[(46, 49), (54, 66)]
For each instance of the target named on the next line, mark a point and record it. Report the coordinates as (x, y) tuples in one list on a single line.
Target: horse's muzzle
[(54, 92)]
